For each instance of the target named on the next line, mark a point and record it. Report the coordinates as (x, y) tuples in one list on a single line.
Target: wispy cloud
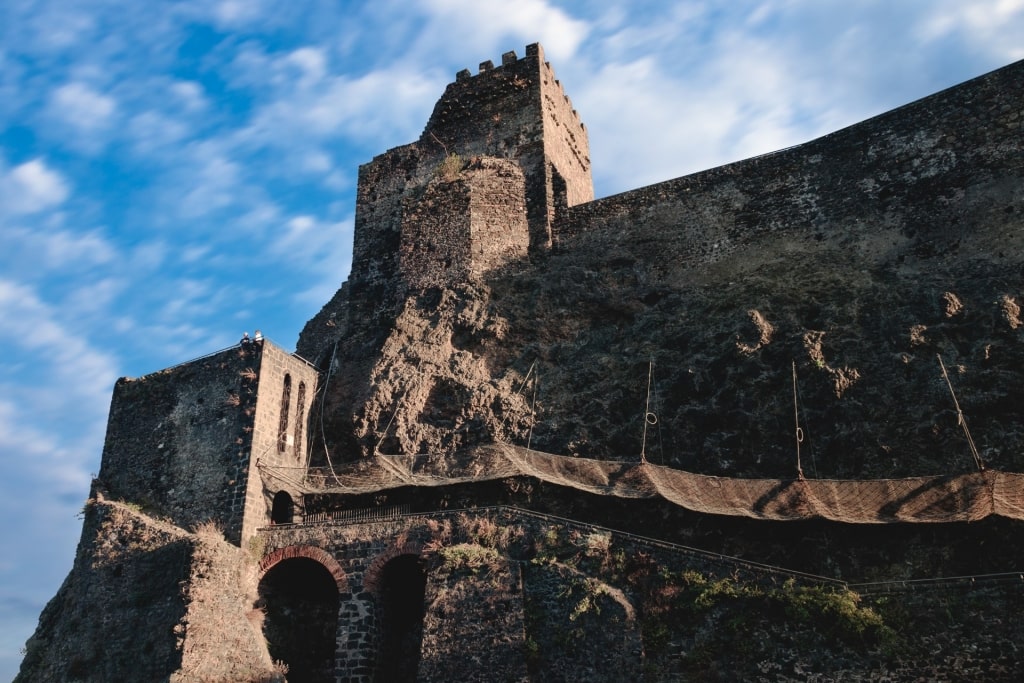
[(482, 26), (55, 390), (322, 249), (85, 109), (34, 326), (311, 103), (992, 26), (38, 253), (83, 117), (30, 187)]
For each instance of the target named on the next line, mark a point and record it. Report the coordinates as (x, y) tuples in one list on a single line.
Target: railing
[(938, 583), (359, 515), (676, 547), (394, 512)]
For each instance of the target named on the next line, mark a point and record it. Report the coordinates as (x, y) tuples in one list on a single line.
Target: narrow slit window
[(282, 430), (300, 417)]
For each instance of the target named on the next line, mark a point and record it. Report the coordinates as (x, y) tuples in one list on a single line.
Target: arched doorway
[(283, 509), (300, 599), (400, 612)]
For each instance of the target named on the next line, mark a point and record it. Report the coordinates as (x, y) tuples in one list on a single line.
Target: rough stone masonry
[(493, 300)]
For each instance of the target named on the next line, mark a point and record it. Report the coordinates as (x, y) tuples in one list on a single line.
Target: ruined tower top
[(517, 110), (502, 157)]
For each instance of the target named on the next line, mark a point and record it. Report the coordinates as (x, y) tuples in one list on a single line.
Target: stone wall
[(934, 170), (464, 226), (498, 229), (281, 434), (380, 202), (146, 601), (178, 441), (435, 239), (181, 442), (512, 595), (476, 624), (566, 145), (478, 602)]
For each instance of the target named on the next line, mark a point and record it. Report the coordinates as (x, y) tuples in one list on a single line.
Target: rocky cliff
[(856, 262)]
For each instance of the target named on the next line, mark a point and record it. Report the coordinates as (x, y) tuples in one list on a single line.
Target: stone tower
[(502, 155), (187, 442)]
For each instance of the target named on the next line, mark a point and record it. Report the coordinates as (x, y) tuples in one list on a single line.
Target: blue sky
[(173, 173)]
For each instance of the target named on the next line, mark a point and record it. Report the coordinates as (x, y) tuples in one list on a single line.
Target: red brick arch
[(310, 552), (371, 579)]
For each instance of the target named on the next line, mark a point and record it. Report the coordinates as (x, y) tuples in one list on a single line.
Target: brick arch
[(309, 552), (371, 579)]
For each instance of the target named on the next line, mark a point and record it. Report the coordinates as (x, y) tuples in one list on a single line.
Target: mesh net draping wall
[(951, 498)]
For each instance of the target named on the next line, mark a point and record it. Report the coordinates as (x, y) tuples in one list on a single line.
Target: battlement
[(506, 108), (516, 113), (534, 54)]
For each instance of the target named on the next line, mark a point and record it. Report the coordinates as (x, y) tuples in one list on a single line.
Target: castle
[(500, 178)]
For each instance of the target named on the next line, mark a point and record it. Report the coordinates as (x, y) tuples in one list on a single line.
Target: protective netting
[(953, 498)]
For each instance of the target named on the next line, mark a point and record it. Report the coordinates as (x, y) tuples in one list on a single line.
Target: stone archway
[(299, 594), (308, 551)]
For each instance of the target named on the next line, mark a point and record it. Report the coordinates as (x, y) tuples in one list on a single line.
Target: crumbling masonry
[(500, 176)]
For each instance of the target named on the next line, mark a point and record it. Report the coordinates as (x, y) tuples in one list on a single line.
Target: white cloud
[(483, 25), (95, 300), (316, 161), (379, 104), (147, 256), (41, 252), (193, 253), (190, 94), (993, 26), (82, 107), (238, 13), (321, 250), (189, 295), (30, 188), (57, 28), (212, 181), (34, 326), (62, 466), (311, 64), (154, 132)]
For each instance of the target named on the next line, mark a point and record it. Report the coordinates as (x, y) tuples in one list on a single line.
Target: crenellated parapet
[(518, 110), (507, 137)]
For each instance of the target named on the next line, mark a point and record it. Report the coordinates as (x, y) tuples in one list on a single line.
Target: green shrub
[(450, 168)]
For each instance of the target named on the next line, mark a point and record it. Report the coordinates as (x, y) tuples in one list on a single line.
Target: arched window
[(300, 417), (282, 430), (283, 509)]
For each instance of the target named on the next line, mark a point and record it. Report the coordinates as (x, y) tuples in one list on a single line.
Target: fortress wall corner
[(183, 442), (178, 440)]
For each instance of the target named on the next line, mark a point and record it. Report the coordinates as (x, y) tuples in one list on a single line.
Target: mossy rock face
[(579, 626)]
